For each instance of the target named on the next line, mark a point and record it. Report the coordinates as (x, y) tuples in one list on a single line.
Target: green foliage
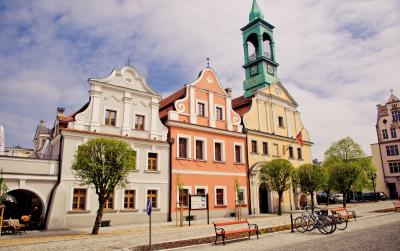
[(311, 177), (3, 189), (277, 175), (344, 150), (103, 163)]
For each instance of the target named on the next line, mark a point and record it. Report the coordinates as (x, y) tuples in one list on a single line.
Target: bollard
[(291, 222)]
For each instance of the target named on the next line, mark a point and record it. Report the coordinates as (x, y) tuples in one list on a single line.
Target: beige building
[(385, 153)]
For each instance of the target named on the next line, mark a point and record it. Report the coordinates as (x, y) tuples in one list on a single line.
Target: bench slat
[(218, 224)]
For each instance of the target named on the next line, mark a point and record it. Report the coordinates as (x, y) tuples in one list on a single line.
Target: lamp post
[(372, 176)]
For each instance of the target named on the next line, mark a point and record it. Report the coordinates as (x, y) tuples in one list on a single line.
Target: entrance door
[(392, 191), (263, 199)]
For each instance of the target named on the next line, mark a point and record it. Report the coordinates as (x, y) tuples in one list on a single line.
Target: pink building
[(388, 131)]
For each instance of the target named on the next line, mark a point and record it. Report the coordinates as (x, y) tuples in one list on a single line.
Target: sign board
[(198, 202)]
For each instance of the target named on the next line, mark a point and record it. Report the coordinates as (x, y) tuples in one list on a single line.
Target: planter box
[(105, 223)]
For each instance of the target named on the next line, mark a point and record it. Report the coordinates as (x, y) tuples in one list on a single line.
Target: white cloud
[(337, 58)]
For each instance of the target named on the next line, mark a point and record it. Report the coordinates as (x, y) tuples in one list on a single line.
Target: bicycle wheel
[(326, 225), (300, 224), (341, 223), (310, 226)]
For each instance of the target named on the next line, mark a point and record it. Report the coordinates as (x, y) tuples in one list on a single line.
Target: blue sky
[(338, 59)]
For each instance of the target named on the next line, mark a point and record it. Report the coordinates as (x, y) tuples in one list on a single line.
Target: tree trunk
[(327, 197), (280, 203), (344, 199), (99, 216), (312, 202)]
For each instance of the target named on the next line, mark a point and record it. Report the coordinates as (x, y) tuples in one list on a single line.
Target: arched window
[(267, 46), (252, 45)]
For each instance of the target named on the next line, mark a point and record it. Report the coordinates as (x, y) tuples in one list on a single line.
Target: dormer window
[(139, 122), (110, 117)]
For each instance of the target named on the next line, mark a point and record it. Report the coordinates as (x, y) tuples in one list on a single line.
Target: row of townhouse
[(198, 135)]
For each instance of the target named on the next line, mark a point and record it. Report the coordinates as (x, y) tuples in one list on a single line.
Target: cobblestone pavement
[(121, 237), (373, 232)]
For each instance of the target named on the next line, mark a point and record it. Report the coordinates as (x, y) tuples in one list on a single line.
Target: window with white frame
[(201, 109), (201, 190), (220, 196), (152, 194), (79, 199), (219, 150), (200, 148), (152, 161), (110, 117), (183, 147), (139, 122), (385, 134), (392, 150), (241, 195), (238, 153), (184, 196), (129, 199), (219, 112), (394, 167)]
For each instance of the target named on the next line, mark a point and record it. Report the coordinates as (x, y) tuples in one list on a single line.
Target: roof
[(241, 105), (71, 117), (168, 103)]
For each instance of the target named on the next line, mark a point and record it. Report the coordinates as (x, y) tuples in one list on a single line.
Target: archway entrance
[(263, 199), (24, 202)]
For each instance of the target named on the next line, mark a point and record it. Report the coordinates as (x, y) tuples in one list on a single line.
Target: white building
[(121, 106)]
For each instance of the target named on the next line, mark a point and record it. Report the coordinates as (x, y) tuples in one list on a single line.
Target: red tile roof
[(241, 105)]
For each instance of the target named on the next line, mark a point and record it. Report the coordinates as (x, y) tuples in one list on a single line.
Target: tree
[(276, 175), (345, 161), (103, 163), (310, 178), (3, 190), (328, 182)]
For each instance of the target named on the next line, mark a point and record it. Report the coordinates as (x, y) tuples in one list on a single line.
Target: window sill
[(200, 160), (180, 158), (153, 209), (238, 163), (150, 171), (129, 210), (253, 153), (110, 211), (220, 206), (219, 161), (78, 211), (282, 127), (140, 130), (265, 155), (135, 171)]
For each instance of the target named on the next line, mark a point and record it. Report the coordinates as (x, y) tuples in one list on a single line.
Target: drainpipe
[(170, 142), (248, 171), (52, 192)]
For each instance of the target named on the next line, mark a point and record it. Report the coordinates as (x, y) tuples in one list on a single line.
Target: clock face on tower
[(254, 70), (270, 69)]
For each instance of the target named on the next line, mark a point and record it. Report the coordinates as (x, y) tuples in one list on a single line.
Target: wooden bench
[(219, 231), (343, 212), (396, 205)]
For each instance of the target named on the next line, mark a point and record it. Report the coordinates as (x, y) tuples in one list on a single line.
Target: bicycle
[(319, 219)]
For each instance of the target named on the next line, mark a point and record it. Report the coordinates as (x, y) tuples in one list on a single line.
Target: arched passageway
[(24, 202)]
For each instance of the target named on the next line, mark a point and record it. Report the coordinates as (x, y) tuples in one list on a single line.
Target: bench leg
[(257, 233), (223, 239)]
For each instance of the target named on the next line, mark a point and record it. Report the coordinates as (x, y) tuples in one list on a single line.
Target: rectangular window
[(139, 122), (238, 154), (385, 134), (396, 115), (392, 150), (219, 113), (79, 199), (199, 150), (152, 162), (129, 199), (394, 167), (183, 148), (201, 109), (299, 153), (110, 117), (201, 191), (220, 196), (280, 121), (152, 194), (393, 133), (218, 151), (184, 197), (290, 152), (240, 196), (254, 146), (110, 202), (265, 148)]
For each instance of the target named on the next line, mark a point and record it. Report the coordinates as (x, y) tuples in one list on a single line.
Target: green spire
[(255, 12)]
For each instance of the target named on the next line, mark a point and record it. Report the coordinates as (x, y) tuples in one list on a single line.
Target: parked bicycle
[(317, 219)]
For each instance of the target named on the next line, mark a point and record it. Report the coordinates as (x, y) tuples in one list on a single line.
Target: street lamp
[(372, 177)]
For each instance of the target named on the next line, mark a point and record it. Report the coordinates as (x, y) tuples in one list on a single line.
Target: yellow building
[(269, 114)]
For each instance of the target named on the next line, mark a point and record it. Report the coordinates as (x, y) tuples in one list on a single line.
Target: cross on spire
[(208, 62), (391, 91)]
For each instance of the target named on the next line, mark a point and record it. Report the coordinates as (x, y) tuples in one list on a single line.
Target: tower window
[(393, 133), (385, 134), (267, 46), (252, 47), (280, 121)]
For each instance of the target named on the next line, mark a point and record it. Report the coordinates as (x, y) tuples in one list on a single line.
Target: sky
[(338, 59)]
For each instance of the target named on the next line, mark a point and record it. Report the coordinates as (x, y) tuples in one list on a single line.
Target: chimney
[(60, 110), (229, 91)]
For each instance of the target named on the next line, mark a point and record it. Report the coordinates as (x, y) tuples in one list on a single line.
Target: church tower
[(259, 52)]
